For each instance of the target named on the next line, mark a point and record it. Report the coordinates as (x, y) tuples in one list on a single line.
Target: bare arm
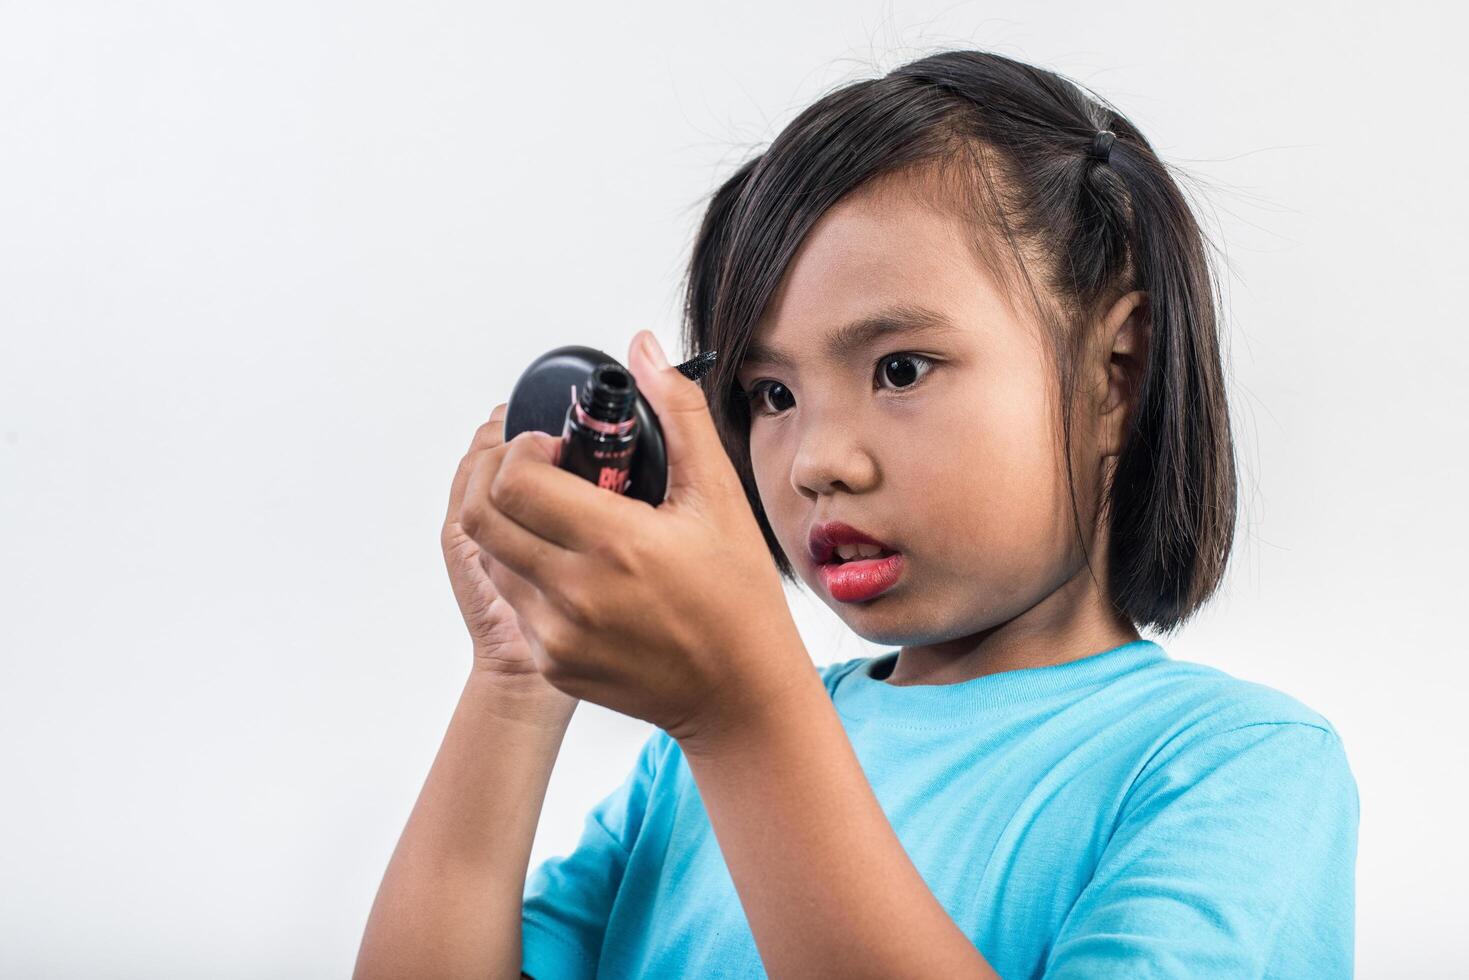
[(820, 903), (450, 901)]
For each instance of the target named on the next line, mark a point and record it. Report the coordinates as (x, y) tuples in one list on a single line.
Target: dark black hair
[(1013, 141)]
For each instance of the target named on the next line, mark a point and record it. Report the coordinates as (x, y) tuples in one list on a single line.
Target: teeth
[(847, 552)]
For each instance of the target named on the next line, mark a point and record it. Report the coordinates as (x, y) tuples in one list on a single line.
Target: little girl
[(969, 391)]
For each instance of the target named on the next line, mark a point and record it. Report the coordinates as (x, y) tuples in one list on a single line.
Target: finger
[(556, 504), (487, 436), (696, 456), (521, 550)]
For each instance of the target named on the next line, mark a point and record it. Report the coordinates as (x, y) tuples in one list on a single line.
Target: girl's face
[(940, 440)]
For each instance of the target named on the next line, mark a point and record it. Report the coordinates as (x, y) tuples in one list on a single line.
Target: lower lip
[(858, 581)]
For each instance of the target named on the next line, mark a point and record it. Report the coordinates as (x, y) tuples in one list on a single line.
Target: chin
[(888, 621)]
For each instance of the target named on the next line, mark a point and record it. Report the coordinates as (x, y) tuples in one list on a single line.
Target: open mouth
[(853, 566), (858, 552)]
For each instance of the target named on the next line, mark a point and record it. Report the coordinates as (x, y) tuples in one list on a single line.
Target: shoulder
[(1211, 726), (1232, 840), (1206, 700)]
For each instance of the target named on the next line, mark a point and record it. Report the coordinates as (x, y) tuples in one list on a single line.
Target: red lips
[(824, 538), (859, 579)]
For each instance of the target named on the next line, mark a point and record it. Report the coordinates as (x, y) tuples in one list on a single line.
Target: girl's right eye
[(762, 404)]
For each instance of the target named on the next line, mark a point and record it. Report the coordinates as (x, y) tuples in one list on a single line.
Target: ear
[(1124, 336)]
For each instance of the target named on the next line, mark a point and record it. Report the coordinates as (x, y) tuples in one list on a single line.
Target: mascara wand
[(696, 367)]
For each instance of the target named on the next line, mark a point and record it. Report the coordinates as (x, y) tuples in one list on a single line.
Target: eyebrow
[(892, 321)]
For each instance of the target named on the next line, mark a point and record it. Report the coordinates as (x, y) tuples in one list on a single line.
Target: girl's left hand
[(674, 614)]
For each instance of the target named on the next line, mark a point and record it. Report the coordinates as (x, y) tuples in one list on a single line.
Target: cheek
[(986, 466), (779, 500), (982, 461)]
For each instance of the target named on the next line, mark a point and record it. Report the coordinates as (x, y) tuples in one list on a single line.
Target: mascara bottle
[(601, 429), (538, 402)]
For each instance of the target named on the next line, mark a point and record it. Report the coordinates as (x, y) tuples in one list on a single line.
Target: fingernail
[(654, 350)]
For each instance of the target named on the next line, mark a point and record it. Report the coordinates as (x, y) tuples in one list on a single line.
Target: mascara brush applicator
[(696, 367)]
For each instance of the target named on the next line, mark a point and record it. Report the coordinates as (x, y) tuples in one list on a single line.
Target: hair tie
[(1101, 148)]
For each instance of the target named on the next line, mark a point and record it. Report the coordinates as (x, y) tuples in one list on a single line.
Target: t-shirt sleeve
[(568, 898), (1235, 858)]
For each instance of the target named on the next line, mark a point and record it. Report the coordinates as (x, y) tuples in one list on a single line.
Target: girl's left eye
[(904, 370)]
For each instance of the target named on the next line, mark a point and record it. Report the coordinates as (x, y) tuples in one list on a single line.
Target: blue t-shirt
[(1122, 815)]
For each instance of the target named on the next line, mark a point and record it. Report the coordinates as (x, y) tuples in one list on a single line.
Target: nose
[(831, 456)]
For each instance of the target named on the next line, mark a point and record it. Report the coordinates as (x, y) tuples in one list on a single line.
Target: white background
[(264, 267)]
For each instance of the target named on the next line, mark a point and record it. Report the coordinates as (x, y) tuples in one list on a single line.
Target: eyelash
[(757, 390)]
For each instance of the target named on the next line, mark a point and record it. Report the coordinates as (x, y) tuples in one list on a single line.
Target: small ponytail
[(1172, 504)]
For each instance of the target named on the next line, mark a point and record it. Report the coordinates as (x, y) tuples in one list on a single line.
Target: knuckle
[(559, 641), (506, 489), (530, 444), (637, 550), (469, 516), (617, 553), (554, 670), (579, 607), (489, 433)]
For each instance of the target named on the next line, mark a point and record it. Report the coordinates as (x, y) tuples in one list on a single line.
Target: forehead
[(886, 258)]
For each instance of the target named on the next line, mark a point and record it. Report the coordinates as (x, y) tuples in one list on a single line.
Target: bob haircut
[(1011, 142)]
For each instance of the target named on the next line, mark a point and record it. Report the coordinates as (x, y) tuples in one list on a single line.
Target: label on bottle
[(605, 462), (613, 478)]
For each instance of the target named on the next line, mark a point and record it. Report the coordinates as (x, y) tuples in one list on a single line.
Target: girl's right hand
[(500, 650)]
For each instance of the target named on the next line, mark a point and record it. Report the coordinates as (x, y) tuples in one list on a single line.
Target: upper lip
[(822, 542)]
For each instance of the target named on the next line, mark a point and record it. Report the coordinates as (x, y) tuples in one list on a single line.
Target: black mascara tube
[(601, 431), (601, 428)]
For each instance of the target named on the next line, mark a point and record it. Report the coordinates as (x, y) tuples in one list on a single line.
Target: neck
[(1072, 622)]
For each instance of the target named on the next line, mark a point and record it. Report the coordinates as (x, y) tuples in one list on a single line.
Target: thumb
[(696, 457)]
